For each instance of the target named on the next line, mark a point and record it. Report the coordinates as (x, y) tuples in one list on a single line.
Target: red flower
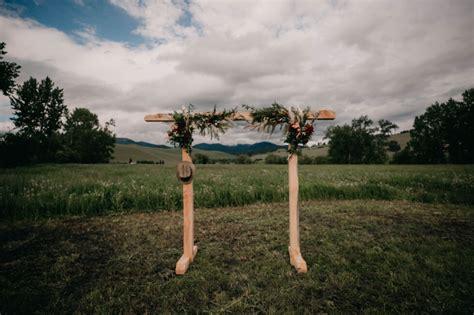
[(308, 129), (296, 125)]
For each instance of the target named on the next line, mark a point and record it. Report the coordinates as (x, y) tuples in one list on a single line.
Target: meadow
[(124, 152), (63, 190), (105, 239)]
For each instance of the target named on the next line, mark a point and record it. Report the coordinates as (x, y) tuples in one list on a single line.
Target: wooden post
[(189, 250), (294, 249)]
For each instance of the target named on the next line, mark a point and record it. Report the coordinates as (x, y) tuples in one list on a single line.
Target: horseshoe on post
[(185, 171)]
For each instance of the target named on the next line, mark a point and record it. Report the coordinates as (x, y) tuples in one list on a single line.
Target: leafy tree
[(393, 146), (9, 71), (16, 149), (85, 140), (45, 132), (361, 142), (38, 109), (404, 156), (444, 132), (243, 159), (199, 158), (275, 159)]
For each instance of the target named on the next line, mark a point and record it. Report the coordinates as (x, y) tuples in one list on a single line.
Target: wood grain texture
[(242, 116), (189, 250), (294, 216)]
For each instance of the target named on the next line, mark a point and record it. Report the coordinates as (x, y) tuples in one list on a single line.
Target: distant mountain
[(256, 148), (142, 143)]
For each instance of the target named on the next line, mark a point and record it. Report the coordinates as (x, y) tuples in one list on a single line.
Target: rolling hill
[(138, 150), (142, 143), (123, 152)]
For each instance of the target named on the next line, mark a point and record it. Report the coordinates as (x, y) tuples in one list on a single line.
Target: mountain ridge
[(255, 148)]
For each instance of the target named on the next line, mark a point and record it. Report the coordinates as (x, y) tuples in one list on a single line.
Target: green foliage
[(444, 132), (275, 159), (45, 132), (39, 113), (9, 71), (181, 132), (213, 123), (243, 159), (268, 118), (84, 140), (297, 128), (393, 146), (17, 149), (199, 158), (185, 122), (38, 109), (404, 156), (361, 142)]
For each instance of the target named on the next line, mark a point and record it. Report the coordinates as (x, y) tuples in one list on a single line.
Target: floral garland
[(185, 122), (297, 128)]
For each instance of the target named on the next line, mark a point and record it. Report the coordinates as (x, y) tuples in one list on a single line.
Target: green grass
[(62, 190), (364, 256)]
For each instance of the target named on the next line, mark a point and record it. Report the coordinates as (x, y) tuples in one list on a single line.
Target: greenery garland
[(296, 126), (185, 122)]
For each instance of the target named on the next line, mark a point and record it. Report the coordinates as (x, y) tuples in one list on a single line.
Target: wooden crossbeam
[(190, 250), (242, 116)]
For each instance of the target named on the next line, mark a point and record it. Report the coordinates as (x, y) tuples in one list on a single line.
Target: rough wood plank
[(189, 250), (159, 117), (323, 114), (242, 116), (294, 216)]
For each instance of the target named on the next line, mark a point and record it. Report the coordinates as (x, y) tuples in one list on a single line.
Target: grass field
[(65, 190), (105, 239), (123, 152), (364, 256)]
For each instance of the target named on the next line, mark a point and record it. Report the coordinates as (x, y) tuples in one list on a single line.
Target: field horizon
[(154, 152)]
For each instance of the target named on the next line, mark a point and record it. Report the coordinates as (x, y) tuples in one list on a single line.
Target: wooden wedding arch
[(185, 171)]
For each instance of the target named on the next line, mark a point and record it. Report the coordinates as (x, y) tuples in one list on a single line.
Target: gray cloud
[(385, 59)]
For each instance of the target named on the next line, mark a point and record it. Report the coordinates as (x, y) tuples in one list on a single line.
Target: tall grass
[(63, 190)]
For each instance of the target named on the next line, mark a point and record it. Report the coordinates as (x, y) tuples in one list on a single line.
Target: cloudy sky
[(126, 58)]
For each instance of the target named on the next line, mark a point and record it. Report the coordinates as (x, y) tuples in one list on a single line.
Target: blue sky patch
[(69, 16)]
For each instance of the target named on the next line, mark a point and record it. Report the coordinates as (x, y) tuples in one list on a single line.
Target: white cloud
[(6, 126), (386, 59), (79, 2), (159, 18)]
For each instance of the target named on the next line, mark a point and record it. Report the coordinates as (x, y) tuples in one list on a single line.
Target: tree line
[(442, 134), (45, 130)]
